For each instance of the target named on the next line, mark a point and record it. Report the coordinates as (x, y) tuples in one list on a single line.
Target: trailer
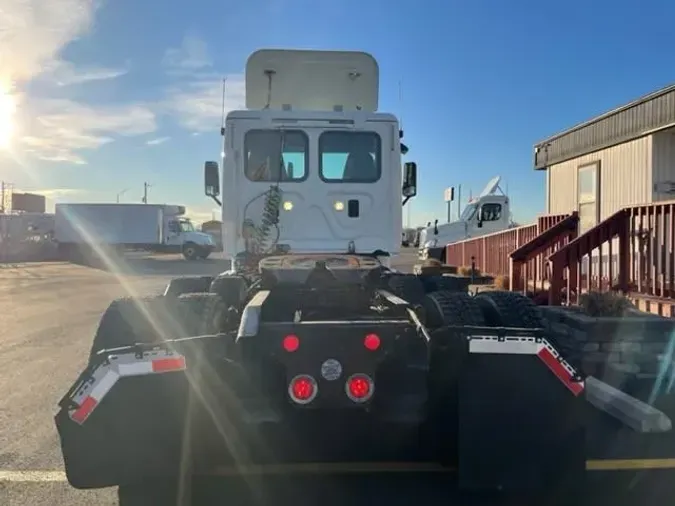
[(98, 228), (311, 352)]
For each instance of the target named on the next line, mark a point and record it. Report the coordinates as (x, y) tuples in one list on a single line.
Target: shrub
[(465, 270), (502, 283), (605, 304)]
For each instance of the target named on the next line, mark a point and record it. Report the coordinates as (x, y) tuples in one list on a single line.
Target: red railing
[(632, 251), (491, 253), (538, 250)]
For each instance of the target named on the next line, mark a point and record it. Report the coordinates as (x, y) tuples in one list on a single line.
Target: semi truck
[(488, 213), (82, 228), (311, 353)]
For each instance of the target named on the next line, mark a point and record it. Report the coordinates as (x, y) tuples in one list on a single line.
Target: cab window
[(350, 157), (490, 212), (276, 155)]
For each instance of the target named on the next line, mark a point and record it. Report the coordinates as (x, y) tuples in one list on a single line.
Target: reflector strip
[(530, 346), (85, 409), (168, 364), (560, 368), (91, 392)]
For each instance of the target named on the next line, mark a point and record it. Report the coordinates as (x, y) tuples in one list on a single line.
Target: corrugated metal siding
[(625, 178), (664, 161), (622, 125)]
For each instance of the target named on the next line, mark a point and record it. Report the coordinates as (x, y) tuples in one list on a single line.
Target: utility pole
[(146, 185)]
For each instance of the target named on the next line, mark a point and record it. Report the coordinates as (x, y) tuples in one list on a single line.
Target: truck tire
[(201, 313), (452, 308), (195, 284), (190, 251), (510, 309), (131, 320), (233, 290), (408, 287)]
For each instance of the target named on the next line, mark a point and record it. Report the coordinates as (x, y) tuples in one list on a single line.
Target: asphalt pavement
[(49, 313)]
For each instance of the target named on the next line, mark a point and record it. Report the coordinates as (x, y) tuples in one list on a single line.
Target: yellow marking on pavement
[(47, 476), (629, 464)]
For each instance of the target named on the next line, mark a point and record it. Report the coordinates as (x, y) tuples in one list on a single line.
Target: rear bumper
[(146, 440), (212, 416)]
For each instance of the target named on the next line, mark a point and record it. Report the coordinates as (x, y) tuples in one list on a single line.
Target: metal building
[(621, 158)]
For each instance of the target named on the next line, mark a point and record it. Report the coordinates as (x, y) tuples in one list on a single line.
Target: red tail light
[(360, 387), (371, 342), (291, 343), (303, 389)]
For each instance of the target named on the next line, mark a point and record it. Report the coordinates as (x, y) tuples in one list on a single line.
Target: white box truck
[(99, 227)]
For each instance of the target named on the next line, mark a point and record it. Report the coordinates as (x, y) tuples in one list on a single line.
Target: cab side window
[(173, 227), (491, 212)]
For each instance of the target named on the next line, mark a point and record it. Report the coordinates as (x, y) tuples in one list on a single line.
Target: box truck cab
[(180, 235), (311, 166)]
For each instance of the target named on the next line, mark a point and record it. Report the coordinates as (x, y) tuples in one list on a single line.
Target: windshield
[(468, 212), (186, 225)]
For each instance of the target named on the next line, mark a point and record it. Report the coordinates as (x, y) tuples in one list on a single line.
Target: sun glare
[(7, 108)]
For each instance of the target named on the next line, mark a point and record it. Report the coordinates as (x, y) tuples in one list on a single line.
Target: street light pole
[(119, 194)]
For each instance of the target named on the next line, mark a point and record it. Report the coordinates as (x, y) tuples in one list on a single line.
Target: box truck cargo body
[(159, 228)]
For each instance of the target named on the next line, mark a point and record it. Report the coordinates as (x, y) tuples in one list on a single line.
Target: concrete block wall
[(620, 351)]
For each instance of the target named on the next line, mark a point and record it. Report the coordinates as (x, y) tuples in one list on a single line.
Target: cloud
[(157, 141), (195, 96), (33, 35), (64, 73), (60, 129), (198, 105), (193, 54), (35, 31)]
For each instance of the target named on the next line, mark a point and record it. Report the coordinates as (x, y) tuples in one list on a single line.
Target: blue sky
[(110, 94)]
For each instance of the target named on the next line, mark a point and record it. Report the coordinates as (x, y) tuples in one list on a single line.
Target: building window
[(588, 192), (276, 155)]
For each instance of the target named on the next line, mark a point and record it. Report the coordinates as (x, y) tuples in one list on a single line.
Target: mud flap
[(130, 416), (521, 420)]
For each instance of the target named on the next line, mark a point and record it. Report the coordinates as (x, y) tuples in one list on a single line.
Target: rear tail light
[(360, 387), (303, 389), (291, 343), (371, 342)]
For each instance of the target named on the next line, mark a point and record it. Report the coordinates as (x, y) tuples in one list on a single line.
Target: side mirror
[(212, 180), (479, 218), (409, 180)]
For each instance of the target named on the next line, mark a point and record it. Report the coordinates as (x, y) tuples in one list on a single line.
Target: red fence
[(491, 252)]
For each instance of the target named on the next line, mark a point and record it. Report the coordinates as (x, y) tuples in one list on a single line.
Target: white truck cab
[(311, 166), (180, 235), (485, 214)]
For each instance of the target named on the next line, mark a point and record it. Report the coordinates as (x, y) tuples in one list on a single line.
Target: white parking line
[(32, 476)]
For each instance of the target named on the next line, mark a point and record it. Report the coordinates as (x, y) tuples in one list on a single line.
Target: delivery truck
[(95, 228)]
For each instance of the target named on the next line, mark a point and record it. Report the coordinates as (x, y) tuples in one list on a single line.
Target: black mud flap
[(521, 421), (131, 416), (135, 432)]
